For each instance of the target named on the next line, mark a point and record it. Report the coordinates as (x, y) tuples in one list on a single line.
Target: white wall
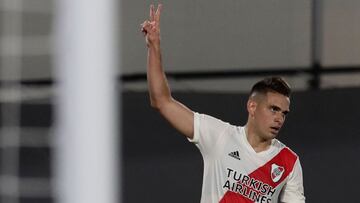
[(341, 32), (214, 35)]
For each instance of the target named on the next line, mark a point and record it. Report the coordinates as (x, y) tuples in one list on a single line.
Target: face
[(268, 113)]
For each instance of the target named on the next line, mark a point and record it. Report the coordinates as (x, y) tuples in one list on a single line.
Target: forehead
[(279, 100)]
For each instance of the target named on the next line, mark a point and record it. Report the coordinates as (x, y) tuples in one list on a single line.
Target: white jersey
[(235, 173)]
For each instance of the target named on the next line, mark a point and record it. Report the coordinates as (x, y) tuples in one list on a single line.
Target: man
[(241, 164)]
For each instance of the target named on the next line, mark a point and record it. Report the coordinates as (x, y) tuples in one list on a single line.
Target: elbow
[(157, 104), (154, 105)]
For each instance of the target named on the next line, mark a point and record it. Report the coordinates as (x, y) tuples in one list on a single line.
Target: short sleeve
[(293, 191), (207, 131)]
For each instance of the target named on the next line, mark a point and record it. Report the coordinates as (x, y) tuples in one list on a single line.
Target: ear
[(251, 107)]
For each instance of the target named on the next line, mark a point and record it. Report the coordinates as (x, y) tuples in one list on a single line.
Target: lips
[(275, 128)]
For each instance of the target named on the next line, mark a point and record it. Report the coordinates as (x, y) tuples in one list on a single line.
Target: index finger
[(158, 12), (152, 12)]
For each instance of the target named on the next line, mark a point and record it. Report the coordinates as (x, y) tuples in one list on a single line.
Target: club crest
[(276, 172)]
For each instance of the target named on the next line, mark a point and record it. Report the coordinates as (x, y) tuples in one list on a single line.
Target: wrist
[(154, 46)]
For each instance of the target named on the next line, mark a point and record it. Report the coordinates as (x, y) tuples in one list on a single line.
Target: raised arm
[(173, 111)]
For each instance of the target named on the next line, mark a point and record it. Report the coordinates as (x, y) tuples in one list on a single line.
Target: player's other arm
[(293, 191), (173, 111)]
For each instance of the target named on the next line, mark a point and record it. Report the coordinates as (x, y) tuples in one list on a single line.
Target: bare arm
[(173, 111)]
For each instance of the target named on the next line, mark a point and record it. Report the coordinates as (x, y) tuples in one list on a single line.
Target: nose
[(279, 118)]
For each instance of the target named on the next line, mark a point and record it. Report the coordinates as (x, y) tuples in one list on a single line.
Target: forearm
[(159, 90), (173, 111)]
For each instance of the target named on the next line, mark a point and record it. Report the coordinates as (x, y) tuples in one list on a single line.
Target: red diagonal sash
[(285, 158)]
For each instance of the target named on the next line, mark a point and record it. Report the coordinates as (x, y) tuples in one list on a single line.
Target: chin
[(273, 135)]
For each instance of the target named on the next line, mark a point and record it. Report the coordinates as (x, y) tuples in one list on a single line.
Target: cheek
[(263, 117), (266, 118)]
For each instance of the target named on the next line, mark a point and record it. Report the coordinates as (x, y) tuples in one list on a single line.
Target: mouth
[(275, 129)]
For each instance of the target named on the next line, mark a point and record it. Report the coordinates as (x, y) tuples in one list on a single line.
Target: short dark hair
[(272, 84)]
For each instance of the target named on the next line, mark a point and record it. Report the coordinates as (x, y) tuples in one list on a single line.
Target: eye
[(285, 113), (273, 109)]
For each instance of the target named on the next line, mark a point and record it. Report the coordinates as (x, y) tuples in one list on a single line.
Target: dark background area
[(160, 165)]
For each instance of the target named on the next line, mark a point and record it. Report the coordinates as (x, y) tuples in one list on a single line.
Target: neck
[(256, 141)]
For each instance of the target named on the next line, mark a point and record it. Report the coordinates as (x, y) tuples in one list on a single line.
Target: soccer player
[(241, 163)]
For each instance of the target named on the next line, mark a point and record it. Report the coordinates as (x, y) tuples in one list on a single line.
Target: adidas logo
[(235, 155)]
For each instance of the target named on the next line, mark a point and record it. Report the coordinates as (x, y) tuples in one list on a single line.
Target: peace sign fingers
[(157, 14), (151, 28), (152, 12)]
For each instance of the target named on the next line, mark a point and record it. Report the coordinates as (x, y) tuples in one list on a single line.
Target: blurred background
[(213, 52)]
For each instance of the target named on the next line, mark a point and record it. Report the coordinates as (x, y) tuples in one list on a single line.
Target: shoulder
[(210, 121), (208, 117), (281, 147)]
